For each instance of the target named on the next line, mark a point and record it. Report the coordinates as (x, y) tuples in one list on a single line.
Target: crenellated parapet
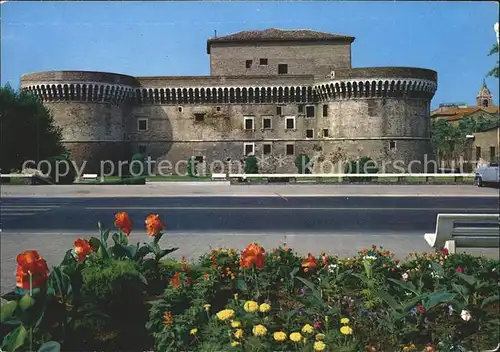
[(78, 86)]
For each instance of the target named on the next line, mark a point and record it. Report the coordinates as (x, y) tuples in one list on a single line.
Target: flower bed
[(129, 298)]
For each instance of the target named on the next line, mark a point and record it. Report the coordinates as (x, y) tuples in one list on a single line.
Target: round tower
[(93, 109), (382, 113)]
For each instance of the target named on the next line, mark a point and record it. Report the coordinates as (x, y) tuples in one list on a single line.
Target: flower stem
[(31, 295)]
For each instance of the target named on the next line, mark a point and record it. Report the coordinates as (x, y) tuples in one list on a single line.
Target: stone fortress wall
[(324, 108)]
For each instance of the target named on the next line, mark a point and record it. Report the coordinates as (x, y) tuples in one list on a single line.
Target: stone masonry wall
[(228, 59)]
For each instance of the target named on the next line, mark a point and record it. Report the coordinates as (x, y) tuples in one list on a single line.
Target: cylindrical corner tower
[(381, 113), (92, 108)]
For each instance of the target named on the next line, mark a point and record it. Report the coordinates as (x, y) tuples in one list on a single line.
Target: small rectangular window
[(263, 62), (142, 124), (325, 132), (492, 155), (217, 108), (325, 110), (290, 149), (248, 148), (199, 117), (478, 153), (279, 110), (309, 133), (300, 109), (392, 145), (266, 123), (290, 123), (249, 123), (266, 149), (310, 111), (248, 63), (282, 69)]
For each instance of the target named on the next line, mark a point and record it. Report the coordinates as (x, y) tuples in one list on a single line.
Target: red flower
[(154, 225), (122, 222), (460, 270), (31, 262), (310, 262), (82, 249), (324, 259), (444, 251), (420, 309), (253, 255)]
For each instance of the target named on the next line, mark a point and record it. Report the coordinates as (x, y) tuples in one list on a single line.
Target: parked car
[(487, 175)]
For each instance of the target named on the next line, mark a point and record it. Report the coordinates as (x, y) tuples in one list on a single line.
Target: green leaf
[(164, 252), (26, 302), (435, 298), (50, 346), (105, 236), (471, 280), (241, 285), (294, 272), (489, 300), (310, 285), (408, 286), (143, 251), (462, 290), (7, 310), (387, 298), (15, 339), (95, 243)]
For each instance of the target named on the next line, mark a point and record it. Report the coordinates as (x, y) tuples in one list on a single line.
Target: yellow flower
[(235, 343), (320, 337), (307, 329), (236, 296), (193, 331), (295, 336), (319, 346), (238, 333), (346, 330), (235, 324), (207, 307), (225, 314), (326, 318), (264, 307), (259, 330), (279, 336), (344, 321), (251, 306)]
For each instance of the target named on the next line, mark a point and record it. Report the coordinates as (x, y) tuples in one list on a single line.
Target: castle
[(273, 93)]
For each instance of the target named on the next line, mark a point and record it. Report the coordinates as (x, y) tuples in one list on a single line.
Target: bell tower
[(484, 98)]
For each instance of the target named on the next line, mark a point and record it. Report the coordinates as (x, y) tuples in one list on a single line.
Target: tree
[(27, 130), (301, 162), (251, 165), (495, 72)]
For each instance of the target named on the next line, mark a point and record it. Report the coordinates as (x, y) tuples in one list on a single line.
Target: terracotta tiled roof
[(453, 114), (274, 34)]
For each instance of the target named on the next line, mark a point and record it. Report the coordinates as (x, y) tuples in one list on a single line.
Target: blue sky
[(169, 38)]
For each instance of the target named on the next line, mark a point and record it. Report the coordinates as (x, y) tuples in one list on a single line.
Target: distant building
[(272, 93)]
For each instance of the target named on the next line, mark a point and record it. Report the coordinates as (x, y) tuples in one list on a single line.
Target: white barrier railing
[(347, 175), (320, 177), (16, 175)]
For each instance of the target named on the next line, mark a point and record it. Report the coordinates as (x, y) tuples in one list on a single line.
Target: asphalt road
[(307, 215)]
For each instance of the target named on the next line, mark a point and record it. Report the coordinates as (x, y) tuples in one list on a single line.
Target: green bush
[(191, 167), (251, 165), (59, 169), (136, 162), (301, 162), (364, 165)]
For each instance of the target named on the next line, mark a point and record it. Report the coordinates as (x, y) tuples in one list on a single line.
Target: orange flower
[(167, 318), (122, 222), (310, 262), (31, 262), (154, 225), (253, 255), (176, 280), (82, 248)]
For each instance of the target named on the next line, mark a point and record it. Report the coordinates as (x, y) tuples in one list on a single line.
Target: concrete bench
[(218, 177), (465, 231), (89, 177)]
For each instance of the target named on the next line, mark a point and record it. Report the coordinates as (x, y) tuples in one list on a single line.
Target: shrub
[(138, 166), (364, 165), (251, 165), (191, 167), (301, 162), (59, 169)]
